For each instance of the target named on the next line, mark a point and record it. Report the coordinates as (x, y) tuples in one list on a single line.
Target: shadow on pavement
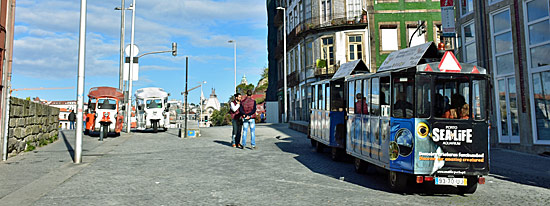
[(298, 144), (375, 178), (68, 145), (223, 143)]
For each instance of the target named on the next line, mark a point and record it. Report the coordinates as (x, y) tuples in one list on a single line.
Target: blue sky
[(46, 45)]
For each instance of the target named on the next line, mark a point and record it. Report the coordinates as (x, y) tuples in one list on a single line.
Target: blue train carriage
[(327, 123), (423, 115)]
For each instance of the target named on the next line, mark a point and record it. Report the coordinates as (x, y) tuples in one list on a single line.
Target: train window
[(385, 96), (351, 97), (327, 97), (314, 92), (375, 97), (337, 96), (321, 90), (402, 96), (479, 99), (106, 104), (367, 93), (423, 96), (452, 98), (360, 105)]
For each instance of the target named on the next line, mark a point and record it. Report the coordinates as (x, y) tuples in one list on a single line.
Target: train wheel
[(470, 188), (155, 127), (86, 132), (360, 166), (397, 181), (313, 142), (319, 147), (336, 154)]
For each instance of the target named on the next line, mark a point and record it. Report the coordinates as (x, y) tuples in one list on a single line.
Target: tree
[(242, 88), (221, 117)]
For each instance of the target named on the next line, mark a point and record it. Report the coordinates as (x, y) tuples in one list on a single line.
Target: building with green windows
[(393, 22)]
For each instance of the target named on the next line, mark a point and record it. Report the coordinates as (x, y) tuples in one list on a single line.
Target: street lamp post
[(235, 61), (80, 82), (284, 63), (129, 107), (200, 104), (122, 31)]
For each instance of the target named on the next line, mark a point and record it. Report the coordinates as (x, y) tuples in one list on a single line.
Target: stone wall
[(31, 125)]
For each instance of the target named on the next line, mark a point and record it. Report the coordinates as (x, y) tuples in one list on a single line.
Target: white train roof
[(151, 92)]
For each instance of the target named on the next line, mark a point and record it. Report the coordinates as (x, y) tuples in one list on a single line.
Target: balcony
[(292, 79), (320, 72), (318, 23)]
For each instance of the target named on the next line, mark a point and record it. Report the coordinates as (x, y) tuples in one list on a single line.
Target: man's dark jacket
[(248, 107)]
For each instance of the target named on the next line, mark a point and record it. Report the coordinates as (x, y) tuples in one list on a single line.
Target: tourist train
[(422, 115)]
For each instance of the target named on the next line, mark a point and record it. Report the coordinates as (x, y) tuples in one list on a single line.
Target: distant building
[(243, 80), (65, 108), (212, 103)]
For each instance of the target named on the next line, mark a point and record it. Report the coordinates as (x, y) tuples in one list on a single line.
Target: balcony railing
[(337, 19), (323, 71)]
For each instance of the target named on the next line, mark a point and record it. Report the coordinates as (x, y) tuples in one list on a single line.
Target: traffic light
[(174, 49)]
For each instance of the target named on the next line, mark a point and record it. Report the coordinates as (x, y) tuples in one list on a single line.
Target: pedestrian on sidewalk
[(72, 118), (248, 111), (236, 121)]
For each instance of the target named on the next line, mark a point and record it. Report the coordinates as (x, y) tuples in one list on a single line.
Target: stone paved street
[(162, 169)]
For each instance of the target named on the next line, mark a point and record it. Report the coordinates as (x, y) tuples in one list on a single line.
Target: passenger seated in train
[(457, 102), (465, 112), (401, 107), (361, 103)]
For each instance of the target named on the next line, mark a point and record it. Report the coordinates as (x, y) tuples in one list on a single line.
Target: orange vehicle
[(104, 113)]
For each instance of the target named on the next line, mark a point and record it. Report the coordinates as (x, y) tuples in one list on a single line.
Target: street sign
[(134, 52), (135, 69), (448, 21)]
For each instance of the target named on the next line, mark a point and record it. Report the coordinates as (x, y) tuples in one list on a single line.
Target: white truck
[(152, 109)]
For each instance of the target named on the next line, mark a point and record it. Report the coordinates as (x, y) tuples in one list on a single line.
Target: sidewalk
[(29, 175), (520, 167)]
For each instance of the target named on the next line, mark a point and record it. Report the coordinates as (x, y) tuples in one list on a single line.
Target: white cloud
[(46, 41)]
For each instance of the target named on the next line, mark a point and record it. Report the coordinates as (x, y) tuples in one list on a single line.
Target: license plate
[(450, 181)]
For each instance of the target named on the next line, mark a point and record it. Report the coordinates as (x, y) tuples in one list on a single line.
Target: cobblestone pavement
[(162, 169)]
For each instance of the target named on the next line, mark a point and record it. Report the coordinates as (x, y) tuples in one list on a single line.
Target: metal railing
[(335, 19)]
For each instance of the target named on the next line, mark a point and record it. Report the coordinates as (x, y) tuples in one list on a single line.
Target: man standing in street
[(72, 117), (236, 121), (248, 112)]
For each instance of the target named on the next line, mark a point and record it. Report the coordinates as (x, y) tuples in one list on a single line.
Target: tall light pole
[(122, 30), (284, 63), (129, 107), (80, 82), (235, 61)]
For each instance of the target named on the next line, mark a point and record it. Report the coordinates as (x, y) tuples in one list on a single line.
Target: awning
[(349, 68)]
